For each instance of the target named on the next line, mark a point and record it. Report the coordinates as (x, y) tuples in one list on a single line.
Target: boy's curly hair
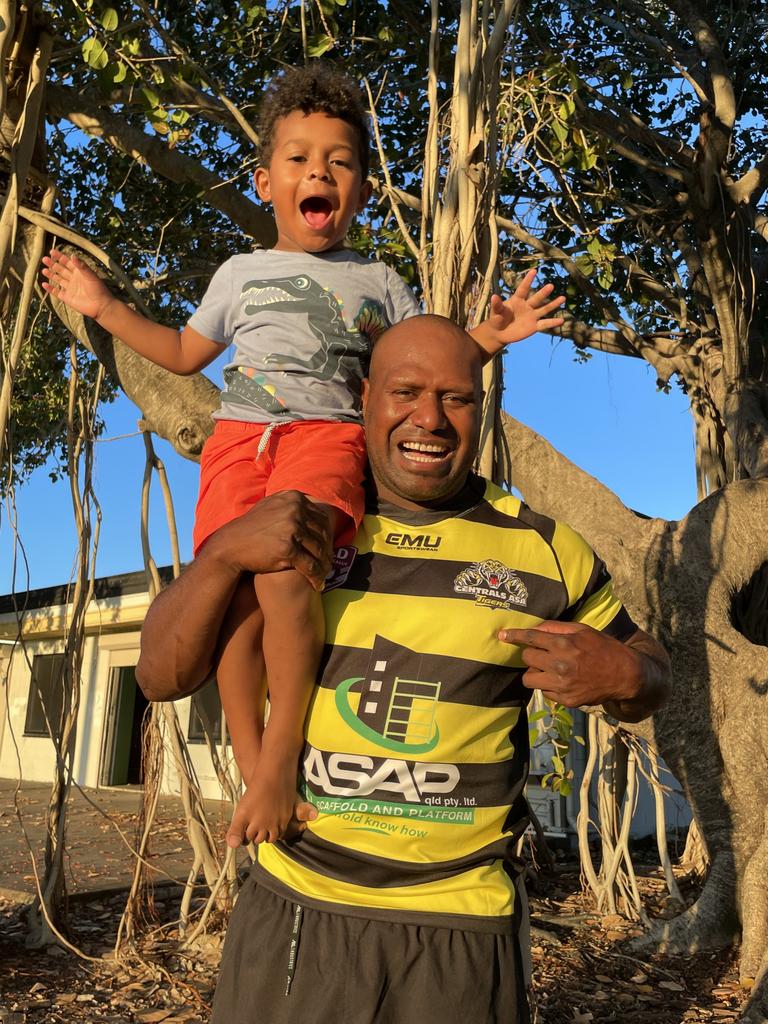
[(316, 88)]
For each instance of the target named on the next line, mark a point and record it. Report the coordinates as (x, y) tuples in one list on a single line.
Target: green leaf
[(558, 765), (564, 715), (95, 53), (533, 735), (151, 99), (536, 716), (560, 131), (120, 72), (109, 19), (605, 278), (627, 82), (180, 116), (386, 34), (585, 264), (565, 787), (320, 46), (595, 248)]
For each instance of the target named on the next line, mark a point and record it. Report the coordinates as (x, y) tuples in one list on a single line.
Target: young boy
[(303, 318)]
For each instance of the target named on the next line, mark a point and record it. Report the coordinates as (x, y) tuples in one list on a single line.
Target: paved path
[(98, 858)]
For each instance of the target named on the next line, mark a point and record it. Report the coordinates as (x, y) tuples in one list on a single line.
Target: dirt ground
[(584, 971)]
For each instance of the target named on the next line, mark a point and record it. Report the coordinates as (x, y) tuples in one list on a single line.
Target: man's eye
[(403, 393), (456, 399), (296, 158)]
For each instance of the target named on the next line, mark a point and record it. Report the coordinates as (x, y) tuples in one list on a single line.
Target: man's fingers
[(528, 637), (538, 659), (563, 628)]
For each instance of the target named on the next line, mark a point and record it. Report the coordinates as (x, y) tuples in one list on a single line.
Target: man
[(398, 903)]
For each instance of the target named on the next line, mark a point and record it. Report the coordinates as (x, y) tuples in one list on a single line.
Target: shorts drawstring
[(294, 948), (264, 439)]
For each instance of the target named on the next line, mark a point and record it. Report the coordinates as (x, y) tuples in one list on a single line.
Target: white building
[(111, 704)]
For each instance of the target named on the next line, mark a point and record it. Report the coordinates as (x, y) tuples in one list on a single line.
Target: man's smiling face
[(313, 181), (422, 405)]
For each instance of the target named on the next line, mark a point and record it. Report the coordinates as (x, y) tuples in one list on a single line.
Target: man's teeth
[(417, 452)]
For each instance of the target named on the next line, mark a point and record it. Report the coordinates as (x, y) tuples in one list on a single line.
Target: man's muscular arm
[(576, 665), (181, 631)]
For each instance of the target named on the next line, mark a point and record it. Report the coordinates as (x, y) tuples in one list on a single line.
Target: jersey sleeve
[(400, 302), (213, 317), (591, 599)]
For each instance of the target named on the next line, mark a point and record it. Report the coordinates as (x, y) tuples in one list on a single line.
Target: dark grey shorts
[(350, 970)]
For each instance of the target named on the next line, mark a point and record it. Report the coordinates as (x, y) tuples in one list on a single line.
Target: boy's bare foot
[(266, 809)]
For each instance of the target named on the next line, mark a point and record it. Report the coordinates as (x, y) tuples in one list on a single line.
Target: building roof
[(120, 585)]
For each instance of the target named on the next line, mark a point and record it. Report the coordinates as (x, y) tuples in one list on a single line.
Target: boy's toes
[(234, 837), (257, 835)]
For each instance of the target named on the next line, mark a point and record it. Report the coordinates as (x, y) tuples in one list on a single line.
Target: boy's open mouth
[(316, 211)]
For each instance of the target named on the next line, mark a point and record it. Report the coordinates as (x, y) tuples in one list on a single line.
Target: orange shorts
[(325, 460)]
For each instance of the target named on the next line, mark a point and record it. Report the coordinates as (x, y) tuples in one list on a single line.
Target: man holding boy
[(302, 318), (397, 903)]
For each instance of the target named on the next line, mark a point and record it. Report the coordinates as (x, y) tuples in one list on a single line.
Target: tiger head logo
[(492, 583)]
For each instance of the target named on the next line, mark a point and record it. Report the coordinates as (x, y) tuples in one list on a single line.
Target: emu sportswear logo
[(492, 584), (393, 710)]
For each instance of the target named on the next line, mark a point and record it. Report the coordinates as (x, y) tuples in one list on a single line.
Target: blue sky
[(606, 416)]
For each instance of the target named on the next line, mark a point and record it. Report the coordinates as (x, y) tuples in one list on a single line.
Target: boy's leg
[(241, 676), (294, 634)]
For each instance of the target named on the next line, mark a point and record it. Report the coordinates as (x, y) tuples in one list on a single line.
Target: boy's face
[(313, 181)]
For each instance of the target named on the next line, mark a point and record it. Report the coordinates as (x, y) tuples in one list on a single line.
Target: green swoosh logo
[(346, 712)]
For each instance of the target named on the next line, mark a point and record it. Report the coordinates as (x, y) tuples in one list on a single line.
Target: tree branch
[(751, 185), (211, 82), (168, 163)]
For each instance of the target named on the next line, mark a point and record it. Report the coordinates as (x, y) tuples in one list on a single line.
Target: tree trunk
[(680, 581)]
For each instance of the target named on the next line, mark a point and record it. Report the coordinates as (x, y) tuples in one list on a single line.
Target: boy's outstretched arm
[(67, 278), (517, 317)]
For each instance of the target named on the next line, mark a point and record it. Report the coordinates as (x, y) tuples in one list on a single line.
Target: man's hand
[(284, 531), (575, 665), (518, 317), (180, 635), (69, 279)]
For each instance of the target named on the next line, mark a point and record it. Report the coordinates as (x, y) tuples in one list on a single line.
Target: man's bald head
[(429, 333), (422, 402)]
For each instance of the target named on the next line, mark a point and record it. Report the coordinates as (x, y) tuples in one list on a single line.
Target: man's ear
[(261, 182), (365, 194)]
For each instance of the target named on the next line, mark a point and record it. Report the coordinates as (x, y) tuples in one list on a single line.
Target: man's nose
[(428, 412)]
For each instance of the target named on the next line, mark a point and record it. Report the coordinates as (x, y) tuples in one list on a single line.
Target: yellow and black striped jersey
[(416, 751)]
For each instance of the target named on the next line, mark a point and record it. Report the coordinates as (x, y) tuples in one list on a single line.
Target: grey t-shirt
[(302, 325)]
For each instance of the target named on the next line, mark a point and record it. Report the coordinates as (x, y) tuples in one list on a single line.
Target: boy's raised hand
[(519, 316), (69, 279)]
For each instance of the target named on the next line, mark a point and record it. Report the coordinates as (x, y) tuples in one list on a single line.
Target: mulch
[(584, 970)]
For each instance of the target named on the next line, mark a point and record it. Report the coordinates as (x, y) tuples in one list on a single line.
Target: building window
[(46, 693), (206, 708)]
